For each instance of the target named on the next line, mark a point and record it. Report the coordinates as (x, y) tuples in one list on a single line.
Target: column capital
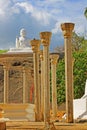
[(35, 43), (45, 38), (54, 58), (67, 29)]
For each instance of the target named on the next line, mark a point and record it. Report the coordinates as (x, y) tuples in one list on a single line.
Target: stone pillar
[(6, 83), (45, 39), (67, 32), (54, 59), (35, 47), (24, 85), (42, 85), (2, 125)]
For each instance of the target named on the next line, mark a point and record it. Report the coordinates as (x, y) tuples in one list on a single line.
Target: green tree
[(77, 42), (79, 76), (61, 81), (80, 73), (85, 12)]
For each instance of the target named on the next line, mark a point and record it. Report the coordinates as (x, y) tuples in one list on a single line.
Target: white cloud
[(40, 15), (3, 7), (48, 14), (57, 28), (14, 10), (7, 9), (39, 10), (1, 12), (26, 6), (80, 27), (48, 2), (55, 1)]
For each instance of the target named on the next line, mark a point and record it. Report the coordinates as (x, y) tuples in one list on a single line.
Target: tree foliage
[(59, 49), (80, 73), (79, 76), (77, 42), (85, 12), (61, 81), (79, 49)]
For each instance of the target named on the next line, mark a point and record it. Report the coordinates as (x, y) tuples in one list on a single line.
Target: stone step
[(18, 111)]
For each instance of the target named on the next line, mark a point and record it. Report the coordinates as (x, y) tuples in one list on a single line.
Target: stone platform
[(21, 111), (80, 106), (25, 125)]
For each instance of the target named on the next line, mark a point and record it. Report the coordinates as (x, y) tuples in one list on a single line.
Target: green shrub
[(79, 76)]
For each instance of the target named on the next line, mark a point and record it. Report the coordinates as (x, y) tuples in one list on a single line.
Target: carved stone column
[(42, 85), (2, 125), (45, 39), (67, 32), (35, 47), (24, 85), (54, 58), (6, 83)]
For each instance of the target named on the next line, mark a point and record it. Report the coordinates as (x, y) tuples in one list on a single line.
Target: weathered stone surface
[(18, 112), (15, 63), (45, 39), (67, 29), (2, 125)]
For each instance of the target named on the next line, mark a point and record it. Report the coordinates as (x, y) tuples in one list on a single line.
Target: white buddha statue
[(22, 43)]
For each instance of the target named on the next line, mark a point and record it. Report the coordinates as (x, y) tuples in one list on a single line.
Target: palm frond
[(85, 12)]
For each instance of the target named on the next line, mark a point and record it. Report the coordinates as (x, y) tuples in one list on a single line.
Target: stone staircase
[(18, 112)]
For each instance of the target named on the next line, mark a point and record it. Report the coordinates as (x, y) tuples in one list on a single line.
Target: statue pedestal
[(16, 50), (80, 106)]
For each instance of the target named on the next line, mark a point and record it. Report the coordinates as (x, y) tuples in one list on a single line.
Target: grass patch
[(3, 51)]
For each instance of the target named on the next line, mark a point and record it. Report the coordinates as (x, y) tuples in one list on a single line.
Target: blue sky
[(37, 16)]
